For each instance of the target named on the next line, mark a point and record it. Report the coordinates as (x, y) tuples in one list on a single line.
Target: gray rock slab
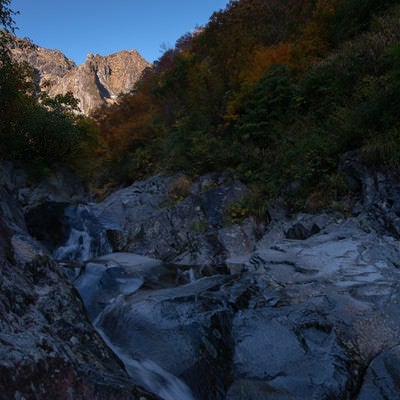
[(236, 264), (111, 275), (129, 261), (382, 380), (179, 329), (297, 357)]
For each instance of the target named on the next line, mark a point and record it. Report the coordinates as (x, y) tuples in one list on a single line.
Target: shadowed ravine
[(304, 306), (308, 316)]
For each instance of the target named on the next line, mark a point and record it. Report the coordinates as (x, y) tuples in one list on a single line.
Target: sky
[(79, 27)]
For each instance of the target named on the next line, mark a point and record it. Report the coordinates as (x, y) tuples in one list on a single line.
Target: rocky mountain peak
[(49, 65), (95, 83)]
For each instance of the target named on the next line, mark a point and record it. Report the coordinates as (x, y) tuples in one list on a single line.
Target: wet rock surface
[(305, 318), (382, 379), (306, 308), (48, 347)]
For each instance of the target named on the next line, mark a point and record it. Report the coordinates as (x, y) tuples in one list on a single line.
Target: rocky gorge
[(154, 292)]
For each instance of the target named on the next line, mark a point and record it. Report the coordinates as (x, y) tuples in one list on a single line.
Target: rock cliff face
[(309, 310), (48, 348), (305, 307), (95, 83), (99, 80), (49, 65)]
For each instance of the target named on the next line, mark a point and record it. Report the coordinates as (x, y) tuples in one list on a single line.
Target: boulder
[(286, 357), (11, 178), (100, 281), (160, 219), (379, 193), (180, 332), (60, 186)]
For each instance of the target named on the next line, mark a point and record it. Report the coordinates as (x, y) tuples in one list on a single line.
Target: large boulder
[(60, 186), (287, 353), (178, 221), (180, 330), (101, 280), (48, 347), (325, 307)]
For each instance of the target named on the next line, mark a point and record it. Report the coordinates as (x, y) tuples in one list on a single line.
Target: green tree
[(38, 135), (7, 26), (65, 104)]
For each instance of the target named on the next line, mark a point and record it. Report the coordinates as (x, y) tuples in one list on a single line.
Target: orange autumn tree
[(314, 39), (127, 130), (249, 85)]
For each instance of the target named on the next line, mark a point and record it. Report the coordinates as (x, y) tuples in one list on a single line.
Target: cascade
[(149, 374), (87, 240), (144, 372), (87, 237)]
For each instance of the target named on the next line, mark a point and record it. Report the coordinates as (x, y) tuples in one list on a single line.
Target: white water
[(76, 248), (192, 276), (157, 380), (87, 237), (149, 374)]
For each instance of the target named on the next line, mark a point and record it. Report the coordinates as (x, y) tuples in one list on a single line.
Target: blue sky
[(79, 27)]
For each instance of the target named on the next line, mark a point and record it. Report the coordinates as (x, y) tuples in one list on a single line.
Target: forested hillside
[(272, 91)]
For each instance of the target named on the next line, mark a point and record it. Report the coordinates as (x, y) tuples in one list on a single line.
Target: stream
[(88, 240), (295, 319)]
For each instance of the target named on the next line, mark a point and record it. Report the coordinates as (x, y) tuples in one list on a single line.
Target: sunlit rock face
[(99, 80), (95, 83), (48, 64)]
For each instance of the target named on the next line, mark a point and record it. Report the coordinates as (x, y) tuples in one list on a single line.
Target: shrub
[(179, 189), (383, 149)]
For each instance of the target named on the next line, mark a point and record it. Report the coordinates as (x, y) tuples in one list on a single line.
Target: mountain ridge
[(95, 83)]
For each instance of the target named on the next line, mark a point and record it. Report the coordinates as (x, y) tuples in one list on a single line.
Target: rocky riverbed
[(193, 306)]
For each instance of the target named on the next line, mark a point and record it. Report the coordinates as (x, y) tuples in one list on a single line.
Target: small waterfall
[(87, 238), (77, 247), (191, 274), (157, 380), (147, 373)]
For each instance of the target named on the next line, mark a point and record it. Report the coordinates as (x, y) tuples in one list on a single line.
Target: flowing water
[(87, 238), (146, 372)]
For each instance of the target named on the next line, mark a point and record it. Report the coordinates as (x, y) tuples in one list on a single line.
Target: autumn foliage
[(269, 90), (273, 91)]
